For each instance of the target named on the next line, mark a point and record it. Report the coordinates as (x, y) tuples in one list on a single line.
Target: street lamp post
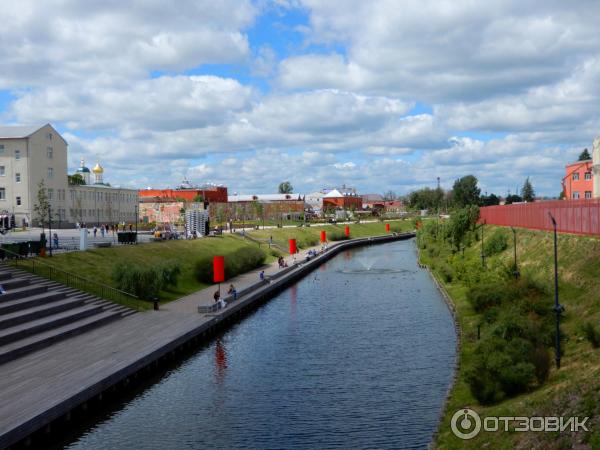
[(50, 228), (137, 212), (515, 267), (482, 252), (558, 309)]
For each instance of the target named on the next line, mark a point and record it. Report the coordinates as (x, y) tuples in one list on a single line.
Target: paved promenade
[(44, 385)]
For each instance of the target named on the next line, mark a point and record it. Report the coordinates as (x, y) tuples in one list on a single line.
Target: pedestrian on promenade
[(216, 296), (261, 275), (232, 291), (102, 230), (95, 231), (130, 227), (55, 240)]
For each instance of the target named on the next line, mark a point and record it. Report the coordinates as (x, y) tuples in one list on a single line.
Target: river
[(346, 358)]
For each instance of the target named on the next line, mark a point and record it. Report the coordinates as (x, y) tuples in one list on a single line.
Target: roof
[(333, 194), (17, 131), (372, 198), (263, 197)]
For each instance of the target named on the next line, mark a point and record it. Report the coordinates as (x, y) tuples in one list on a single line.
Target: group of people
[(105, 229), (282, 263), (220, 302)]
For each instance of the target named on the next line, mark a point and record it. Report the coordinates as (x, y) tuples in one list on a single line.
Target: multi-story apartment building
[(577, 182), (33, 155)]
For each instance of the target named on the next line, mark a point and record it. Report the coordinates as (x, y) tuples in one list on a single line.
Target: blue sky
[(251, 93)]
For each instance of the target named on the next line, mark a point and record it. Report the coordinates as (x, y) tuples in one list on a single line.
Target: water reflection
[(220, 361)]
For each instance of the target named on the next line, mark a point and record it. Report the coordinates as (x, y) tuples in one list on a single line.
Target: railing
[(44, 270)]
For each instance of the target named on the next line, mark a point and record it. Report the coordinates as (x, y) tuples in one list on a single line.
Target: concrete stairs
[(36, 312)]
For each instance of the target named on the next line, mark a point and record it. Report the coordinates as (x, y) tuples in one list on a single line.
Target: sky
[(379, 95)]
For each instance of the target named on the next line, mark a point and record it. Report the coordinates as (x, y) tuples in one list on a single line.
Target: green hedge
[(146, 281), (236, 263)]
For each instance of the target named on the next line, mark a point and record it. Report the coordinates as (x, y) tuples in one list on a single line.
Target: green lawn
[(574, 390)]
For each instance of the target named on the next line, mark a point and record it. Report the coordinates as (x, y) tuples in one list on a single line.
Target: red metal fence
[(572, 216)]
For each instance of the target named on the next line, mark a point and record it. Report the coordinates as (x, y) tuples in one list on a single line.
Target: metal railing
[(45, 270)]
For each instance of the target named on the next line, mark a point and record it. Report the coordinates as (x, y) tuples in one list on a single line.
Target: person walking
[(95, 232), (102, 230), (55, 238), (232, 291)]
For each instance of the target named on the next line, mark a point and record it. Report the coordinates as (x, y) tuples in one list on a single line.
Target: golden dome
[(98, 168)]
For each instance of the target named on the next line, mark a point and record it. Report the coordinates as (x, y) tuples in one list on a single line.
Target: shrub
[(446, 273), (144, 282), (501, 369), (591, 334), (237, 262), (541, 360), (485, 296), (495, 244), (336, 236), (170, 272)]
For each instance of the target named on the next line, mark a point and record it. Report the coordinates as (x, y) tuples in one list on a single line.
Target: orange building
[(577, 182), (210, 193), (335, 199)]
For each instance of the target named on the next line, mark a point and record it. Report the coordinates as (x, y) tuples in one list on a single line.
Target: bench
[(102, 244)]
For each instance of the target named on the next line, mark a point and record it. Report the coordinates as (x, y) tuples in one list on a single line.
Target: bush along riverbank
[(507, 322)]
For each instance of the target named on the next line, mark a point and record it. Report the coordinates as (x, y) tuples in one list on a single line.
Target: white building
[(31, 155)]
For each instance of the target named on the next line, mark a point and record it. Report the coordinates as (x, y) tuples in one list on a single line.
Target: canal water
[(358, 354)]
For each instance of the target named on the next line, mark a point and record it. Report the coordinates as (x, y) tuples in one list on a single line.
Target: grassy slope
[(97, 264), (575, 388)]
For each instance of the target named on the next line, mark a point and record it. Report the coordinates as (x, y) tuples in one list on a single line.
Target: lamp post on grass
[(50, 228), (515, 267), (558, 309)]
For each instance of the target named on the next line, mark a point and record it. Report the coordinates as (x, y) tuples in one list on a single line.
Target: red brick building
[(577, 182), (210, 193)]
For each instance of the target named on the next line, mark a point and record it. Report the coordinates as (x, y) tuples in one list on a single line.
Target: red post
[(347, 231), (387, 227), (293, 248), (218, 269), (323, 236)]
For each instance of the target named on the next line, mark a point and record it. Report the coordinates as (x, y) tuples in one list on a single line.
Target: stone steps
[(36, 312)]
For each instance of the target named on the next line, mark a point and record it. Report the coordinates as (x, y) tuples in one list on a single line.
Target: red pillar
[(323, 236), (387, 227), (347, 231), (218, 269), (293, 247)]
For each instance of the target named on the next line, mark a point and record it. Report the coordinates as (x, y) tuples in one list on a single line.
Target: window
[(17, 154), (588, 176), (575, 194), (50, 172), (588, 194), (1, 149), (49, 136), (49, 152), (2, 194), (2, 171), (18, 201), (576, 176), (17, 177), (50, 194)]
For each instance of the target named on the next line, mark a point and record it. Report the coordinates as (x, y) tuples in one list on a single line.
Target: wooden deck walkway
[(45, 385)]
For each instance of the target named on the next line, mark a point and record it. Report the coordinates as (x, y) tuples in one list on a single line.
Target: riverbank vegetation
[(507, 329)]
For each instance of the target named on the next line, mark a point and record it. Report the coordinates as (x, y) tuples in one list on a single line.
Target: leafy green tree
[(286, 187), (584, 155), (527, 192), (514, 198), (198, 199), (42, 205), (75, 179), (461, 222), (490, 200), (426, 198), (465, 191)]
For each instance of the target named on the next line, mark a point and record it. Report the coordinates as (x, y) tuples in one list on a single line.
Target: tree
[(527, 192), (389, 196), (465, 191), (76, 179), (584, 155), (285, 187), (490, 200), (461, 222), (42, 206), (514, 198), (426, 198), (198, 199)]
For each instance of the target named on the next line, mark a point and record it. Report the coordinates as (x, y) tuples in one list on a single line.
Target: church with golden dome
[(94, 201)]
